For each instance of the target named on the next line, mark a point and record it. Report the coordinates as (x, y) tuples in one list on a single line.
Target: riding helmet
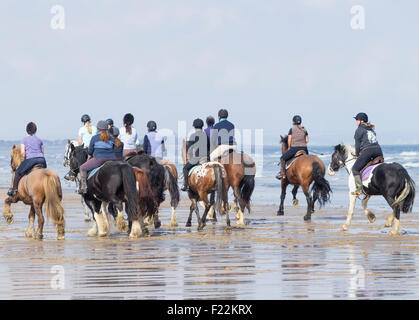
[(297, 120), (85, 118), (151, 125), (361, 116), (198, 124), (210, 121), (31, 128), (128, 119), (114, 131), (102, 125), (223, 114), (109, 122)]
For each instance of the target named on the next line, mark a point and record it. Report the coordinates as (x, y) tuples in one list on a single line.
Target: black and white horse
[(390, 180), (114, 184), (71, 145)]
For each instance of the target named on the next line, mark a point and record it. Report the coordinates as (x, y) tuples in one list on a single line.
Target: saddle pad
[(367, 173), (192, 170), (92, 173), (289, 163)]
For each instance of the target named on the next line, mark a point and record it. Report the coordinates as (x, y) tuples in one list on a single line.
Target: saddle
[(297, 155), (373, 162)]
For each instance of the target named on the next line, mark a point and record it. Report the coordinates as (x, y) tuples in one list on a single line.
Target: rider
[(87, 131), (197, 148), (110, 124), (153, 143), (128, 135), (222, 136), (210, 125), (366, 148), (32, 150), (297, 140), (119, 145), (101, 150)]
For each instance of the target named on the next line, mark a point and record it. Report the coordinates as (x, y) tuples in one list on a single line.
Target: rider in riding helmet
[(297, 140), (86, 132), (119, 146), (101, 150), (222, 136), (197, 148), (366, 148), (210, 125), (110, 124), (32, 150), (128, 135), (153, 142)]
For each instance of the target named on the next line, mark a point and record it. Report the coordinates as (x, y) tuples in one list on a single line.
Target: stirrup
[(185, 188), (12, 192), (280, 176), (357, 193)]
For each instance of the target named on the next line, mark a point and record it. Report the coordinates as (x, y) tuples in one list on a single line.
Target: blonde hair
[(89, 127), (369, 125)]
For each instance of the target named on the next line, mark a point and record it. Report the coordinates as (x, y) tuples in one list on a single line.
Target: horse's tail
[(129, 183), (218, 172), (321, 186), (407, 196), (172, 186), (246, 187), (53, 197), (147, 204)]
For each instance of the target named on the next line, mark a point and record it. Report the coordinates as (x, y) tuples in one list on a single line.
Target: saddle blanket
[(92, 173), (367, 173)]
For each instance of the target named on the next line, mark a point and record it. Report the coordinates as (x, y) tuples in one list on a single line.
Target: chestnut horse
[(302, 172), (39, 187), (208, 178)]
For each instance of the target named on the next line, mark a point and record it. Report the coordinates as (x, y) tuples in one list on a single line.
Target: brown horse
[(241, 171), (208, 178), (302, 172), (170, 176), (39, 187)]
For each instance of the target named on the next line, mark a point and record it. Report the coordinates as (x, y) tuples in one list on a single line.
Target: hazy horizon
[(180, 60)]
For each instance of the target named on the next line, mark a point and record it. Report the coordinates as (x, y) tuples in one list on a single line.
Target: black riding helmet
[(85, 118), (361, 116), (128, 119), (151, 125), (223, 114), (198, 124), (297, 120)]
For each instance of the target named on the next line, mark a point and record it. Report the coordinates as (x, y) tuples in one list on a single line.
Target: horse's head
[(338, 161), (67, 152), (77, 156), (284, 143), (16, 158)]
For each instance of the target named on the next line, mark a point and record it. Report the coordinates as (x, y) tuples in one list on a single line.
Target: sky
[(171, 61)]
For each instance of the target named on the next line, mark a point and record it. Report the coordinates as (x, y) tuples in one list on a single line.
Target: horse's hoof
[(388, 225), (229, 229), (188, 224), (295, 202), (344, 228), (102, 234), (61, 237), (157, 224), (371, 217), (38, 236), (29, 235), (307, 218), (9, 219), (87, 219), (201, 226), (122, 226), (280, 213), (240, 224), (173, 224), (394, 233)]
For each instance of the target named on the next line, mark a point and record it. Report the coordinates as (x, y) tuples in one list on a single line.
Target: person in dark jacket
[(222, 136), (197, 150), (297, 140), (366, 148), (119, 145), (210, 125)]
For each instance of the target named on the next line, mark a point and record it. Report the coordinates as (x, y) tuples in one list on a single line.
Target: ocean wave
[(409, 154), (411, 165)]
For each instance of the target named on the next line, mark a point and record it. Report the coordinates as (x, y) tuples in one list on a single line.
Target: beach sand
[(273, 257)]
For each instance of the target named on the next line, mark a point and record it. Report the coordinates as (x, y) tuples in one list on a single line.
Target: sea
[(268, 188)]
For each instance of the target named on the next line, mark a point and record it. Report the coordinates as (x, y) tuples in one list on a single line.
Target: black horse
[(160, 179), (390, 180), (114, 184)]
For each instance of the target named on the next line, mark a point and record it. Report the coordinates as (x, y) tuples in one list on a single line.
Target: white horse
[(390, 180), (68, 177)]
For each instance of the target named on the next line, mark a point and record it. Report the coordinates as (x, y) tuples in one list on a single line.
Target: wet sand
[(271, 258)]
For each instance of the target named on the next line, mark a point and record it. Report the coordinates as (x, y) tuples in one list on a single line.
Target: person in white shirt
[(86, 132), (128, 135)]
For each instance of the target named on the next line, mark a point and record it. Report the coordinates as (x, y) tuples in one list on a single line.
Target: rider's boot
[(13, 191), (281, 173), (358, 186), (83, 182), (185, 180)]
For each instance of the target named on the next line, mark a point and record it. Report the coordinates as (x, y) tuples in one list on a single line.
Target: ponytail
[(104, 136), (128, 129), (89, 127), (369, 125), (118, 142)]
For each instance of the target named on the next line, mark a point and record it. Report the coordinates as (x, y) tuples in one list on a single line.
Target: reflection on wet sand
[(272, 258)]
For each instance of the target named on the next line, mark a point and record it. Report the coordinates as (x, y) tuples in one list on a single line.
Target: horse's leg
[(38, 210), (371, 217), (294, 195), (87, 217), (396, 224), (313, 201), (7, 214), (352, 202), (204, 216), (307, 217), (31, 228), (94, 230), (120, 222), (197, 213), (390, 219), (104, 213), (284, 185), (191, 209), (156, 220), (210, 215)]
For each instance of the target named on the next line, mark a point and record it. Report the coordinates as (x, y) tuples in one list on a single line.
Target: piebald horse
[(40, 187), (207, 178), (390, 180), (302, 172)]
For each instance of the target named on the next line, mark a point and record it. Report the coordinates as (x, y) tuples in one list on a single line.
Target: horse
[(207, 178), (302, 172), (160, 180), (71, 177), (115, 183), (390, 180), (40, 187), (241, 171), (171, 175)]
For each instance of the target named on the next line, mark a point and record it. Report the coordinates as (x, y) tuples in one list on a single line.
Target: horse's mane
[(349, 149)]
